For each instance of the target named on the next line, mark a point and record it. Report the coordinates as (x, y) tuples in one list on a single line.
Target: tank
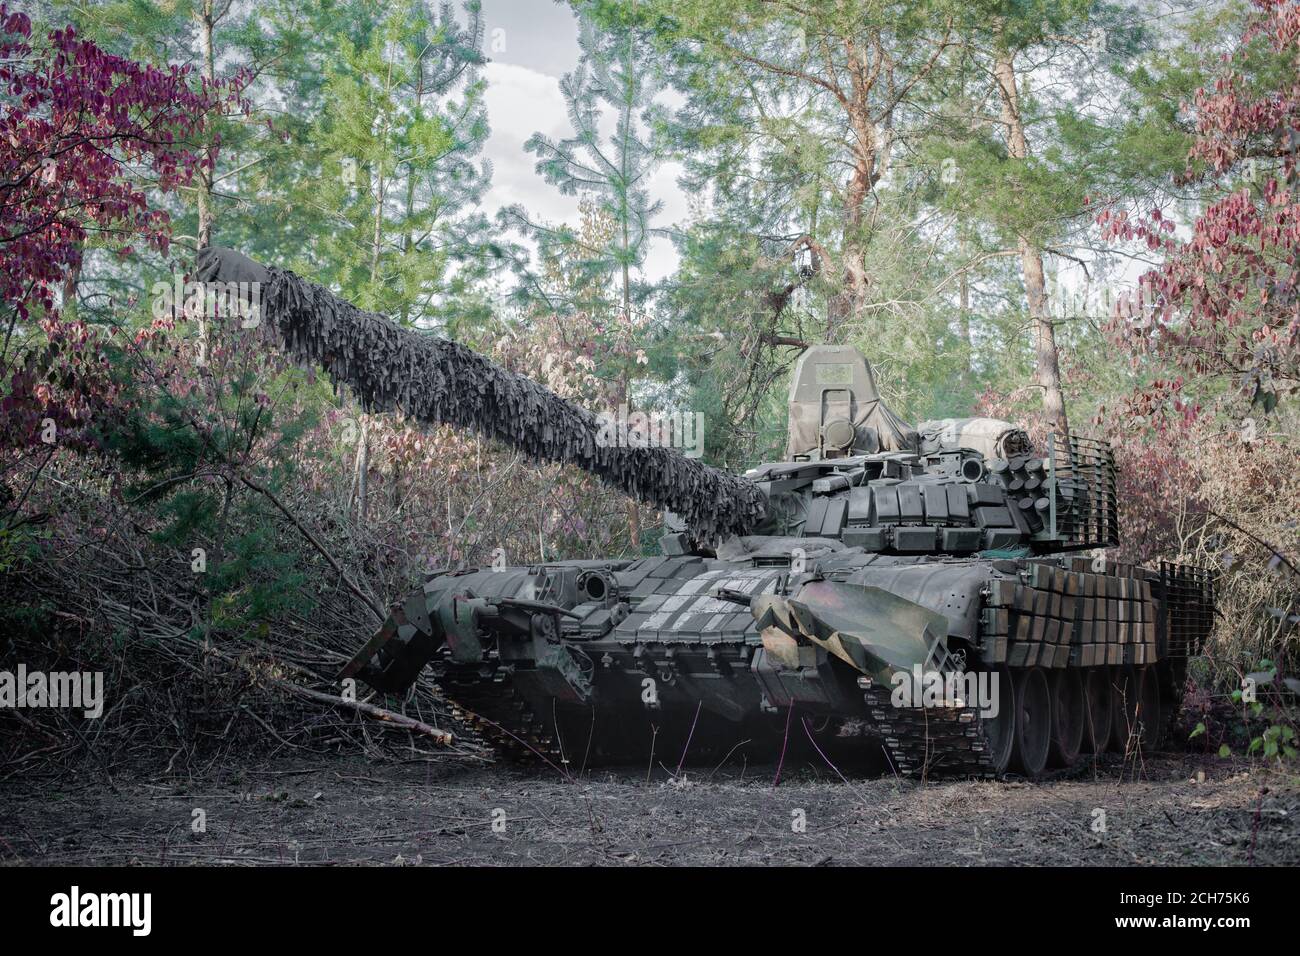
[(936, 596), (913, 592)]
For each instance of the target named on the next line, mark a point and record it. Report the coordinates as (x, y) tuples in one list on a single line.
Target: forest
[(1082, 216)]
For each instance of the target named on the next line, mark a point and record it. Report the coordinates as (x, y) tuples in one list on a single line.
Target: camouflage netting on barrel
[(436, 381)]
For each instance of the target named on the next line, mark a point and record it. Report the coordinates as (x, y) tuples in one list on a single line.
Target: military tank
[(936, 594), (911, 586)]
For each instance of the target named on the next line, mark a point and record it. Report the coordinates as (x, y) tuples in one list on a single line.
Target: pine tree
[(395, 145), (1036, 141), (399, 190), (616, 77), (797, 113)]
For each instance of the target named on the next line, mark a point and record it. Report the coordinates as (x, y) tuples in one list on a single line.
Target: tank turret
[(858, 474)]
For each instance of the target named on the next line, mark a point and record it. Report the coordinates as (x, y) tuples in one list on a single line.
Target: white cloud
[(662, 259), (521, 101)]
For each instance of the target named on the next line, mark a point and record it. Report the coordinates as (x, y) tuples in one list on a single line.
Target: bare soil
[(446, 810)]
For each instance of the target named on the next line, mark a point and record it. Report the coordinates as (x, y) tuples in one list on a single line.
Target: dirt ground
[(444, 810)]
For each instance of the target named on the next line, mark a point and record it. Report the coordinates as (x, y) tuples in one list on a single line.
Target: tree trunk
[(963, 317), (205, 176), (1049, 371), (362, 464), (206, 23), (68, 304), (362, 468), (633, 508), (408, 240), (362, 476), (848, 304), (1031, 260)]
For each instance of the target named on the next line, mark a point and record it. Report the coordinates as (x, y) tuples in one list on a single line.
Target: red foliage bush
[(77, 128)]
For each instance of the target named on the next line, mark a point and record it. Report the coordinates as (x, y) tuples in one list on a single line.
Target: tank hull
[(918, 659)]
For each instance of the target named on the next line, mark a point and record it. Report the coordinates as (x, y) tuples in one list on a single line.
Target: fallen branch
[(442, 737)]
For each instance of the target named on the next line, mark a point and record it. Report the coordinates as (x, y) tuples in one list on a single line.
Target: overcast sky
[(536, 45)]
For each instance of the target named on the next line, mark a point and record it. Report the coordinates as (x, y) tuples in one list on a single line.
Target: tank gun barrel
[(437, 381)]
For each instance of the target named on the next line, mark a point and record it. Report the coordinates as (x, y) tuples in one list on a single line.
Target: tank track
[(931, 742), (484, 698)]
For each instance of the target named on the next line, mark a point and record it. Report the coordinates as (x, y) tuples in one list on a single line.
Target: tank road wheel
[(1000, 730), (1100, 710), (1033, 721), (1069, 714), (1151, 715), (1125, 693)]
